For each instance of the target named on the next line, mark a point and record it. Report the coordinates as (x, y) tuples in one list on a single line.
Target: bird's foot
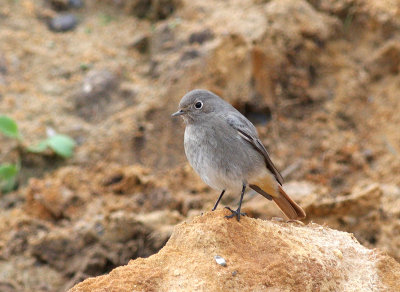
[(236, 213)]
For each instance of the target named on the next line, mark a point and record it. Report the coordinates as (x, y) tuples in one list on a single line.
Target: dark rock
[(368, 155), (63, 22), (163, 8), (201, 36), (141, 43), (189, 55), (61, 5), (153, 9), (75, 3)]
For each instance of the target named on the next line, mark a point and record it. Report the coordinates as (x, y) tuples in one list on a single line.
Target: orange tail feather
[(288, 206)]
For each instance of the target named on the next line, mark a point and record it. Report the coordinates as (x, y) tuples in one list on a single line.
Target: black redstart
[(223, 147)]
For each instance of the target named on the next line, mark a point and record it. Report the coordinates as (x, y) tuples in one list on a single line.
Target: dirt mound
[(217, 254), (318, 78)]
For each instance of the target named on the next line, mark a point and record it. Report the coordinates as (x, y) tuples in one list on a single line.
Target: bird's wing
[(248, 132)]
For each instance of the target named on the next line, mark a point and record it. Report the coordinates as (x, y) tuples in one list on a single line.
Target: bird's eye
[(198, 105)]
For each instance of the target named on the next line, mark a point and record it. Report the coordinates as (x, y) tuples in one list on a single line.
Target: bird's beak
[(178, 113)]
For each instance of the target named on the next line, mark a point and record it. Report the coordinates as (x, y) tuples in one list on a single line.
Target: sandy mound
[(260, 255)]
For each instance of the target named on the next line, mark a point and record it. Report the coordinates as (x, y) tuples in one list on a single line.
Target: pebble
[(75, 3), (220, 260), (153, 10), (141, 43), (189, 55), (61, 5), (63, 22), (201, 36)]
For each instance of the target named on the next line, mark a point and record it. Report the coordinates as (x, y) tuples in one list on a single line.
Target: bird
[(224, 149)]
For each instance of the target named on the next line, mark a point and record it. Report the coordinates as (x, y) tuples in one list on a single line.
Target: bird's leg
[(219, 199), (237, 212)]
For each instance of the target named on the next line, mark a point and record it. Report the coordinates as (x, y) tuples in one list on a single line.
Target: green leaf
[(8, 127), (61, 145), (40, 147), (8, 171), (8, 177)]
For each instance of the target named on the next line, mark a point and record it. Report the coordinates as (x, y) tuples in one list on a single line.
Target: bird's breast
[(220, 156)]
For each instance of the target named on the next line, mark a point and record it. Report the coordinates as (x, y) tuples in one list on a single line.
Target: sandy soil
[(320, 80)]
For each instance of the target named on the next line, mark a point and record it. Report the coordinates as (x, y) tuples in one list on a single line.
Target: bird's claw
[(236, 213)]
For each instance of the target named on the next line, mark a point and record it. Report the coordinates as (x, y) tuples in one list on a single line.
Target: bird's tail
[(269, 188), (288, 206)]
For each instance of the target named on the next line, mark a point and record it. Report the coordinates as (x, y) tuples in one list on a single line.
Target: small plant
[(9, 127), (61, 145), (8, 177)]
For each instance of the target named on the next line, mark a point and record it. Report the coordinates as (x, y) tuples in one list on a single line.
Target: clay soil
[(319, 79)]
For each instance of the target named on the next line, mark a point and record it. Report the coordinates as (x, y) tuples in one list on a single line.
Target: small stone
[(63, 22), (59, 4), (368, 155), (141, 43), (201, 36), (154, 10), (189, 55), (220, 260), (75, 3)]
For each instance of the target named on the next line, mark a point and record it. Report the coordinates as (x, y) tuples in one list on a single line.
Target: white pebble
[(220, 260)]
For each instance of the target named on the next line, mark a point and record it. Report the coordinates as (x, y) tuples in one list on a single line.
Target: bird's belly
[(219, 180), (210, 158)]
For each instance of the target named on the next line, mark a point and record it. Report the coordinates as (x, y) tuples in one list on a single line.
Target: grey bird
[(223, 147)]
